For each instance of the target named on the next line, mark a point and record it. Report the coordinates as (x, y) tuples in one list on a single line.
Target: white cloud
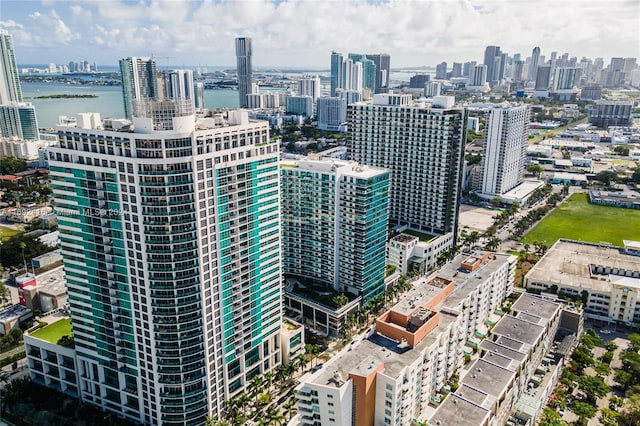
[(303, 33)]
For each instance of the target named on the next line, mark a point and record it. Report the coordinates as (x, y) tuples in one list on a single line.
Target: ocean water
[(108, 103)]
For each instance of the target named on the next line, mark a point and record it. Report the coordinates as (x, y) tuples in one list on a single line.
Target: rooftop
[(570, 263), (12, 312), (488, 377), (518, 329), (457, 411), (54, 331)]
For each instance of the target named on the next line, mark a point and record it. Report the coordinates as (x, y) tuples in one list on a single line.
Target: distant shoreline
[(64, 96)]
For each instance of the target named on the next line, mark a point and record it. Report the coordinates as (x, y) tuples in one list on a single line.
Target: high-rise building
[(418, 81), (18, 119), (543, 77), (244, 69), (352, 75), (456, 69), (368, 71), (171, 248), (383, 70), (518, 69), (334, 224), (610, 113), (336, 72), (504, 150), (139, 82), (479, 76), (300, 105), (565, 78), (271, 100), (309, 86), (467, 68), (10, 90), (533, 65), (433, 89), (199, 95), (178, 84), (441, 71), (492, 56), (422, 147), (331, 113)]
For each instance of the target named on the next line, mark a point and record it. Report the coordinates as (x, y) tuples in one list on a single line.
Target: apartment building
[(389, 376)]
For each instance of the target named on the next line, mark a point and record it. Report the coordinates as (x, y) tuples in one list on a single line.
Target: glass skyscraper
[(139, 81), (171, 245), (245, 79), (10, 90)]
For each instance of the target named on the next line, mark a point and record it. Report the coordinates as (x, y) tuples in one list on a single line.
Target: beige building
[(605, 277)]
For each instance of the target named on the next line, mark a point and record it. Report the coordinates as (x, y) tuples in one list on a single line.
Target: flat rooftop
[(52, 282), (422, 292), (14, 311), (457, 411), (568, 263), (535, 306), (523, 190), (490, 346), (518, 329), (54, 331), (487, 377)]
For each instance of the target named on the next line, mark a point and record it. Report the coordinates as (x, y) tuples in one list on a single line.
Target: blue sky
[(302, 33)]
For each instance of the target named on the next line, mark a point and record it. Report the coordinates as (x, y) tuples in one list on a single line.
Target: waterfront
[(108, 102)]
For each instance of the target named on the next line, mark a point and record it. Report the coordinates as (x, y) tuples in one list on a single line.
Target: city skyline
[(424, 33)]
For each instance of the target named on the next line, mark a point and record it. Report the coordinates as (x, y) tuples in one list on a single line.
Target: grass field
[(53, 332), (576, 219), (6, 232)]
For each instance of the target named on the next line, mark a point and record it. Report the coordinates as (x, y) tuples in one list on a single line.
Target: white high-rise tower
[(10, 90)]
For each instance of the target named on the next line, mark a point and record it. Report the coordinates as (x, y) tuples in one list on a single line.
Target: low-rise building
[(389, 376), (12, 317), (615, 199), (410, 253), (605, 277)]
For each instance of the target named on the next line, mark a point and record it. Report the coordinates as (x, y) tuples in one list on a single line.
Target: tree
[(609, 417), (594, 387), (11, 165), (340, 300), (273, 416), (313, 350), (632, 410), (5, 293), (622, 150), (583, 410), (289, 407), (550, 418), (255, 386), (492, 244), (535, 169), (635, 177), (606, 177), (624, 378)]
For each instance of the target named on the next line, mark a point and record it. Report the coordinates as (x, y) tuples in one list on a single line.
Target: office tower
[(456, 70), (171, 247), (617, 64), (139, 82), (422, 147), (10, 90), (504, 150), (418, 81), (331, 113), (629, 66), (492, 61), (591, 92), (533, 65), (479, 77), (382, 62), (368, 70), (349, 96), (336, 72), (543, 76), (334, 224), (309, 86), (199, 96), (18, 119), (300, 105), (565, 78), (243, 57), (441, 71)]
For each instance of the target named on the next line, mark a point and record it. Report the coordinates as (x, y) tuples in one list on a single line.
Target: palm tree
[(474, 237), (313, 350), (281, 373), (23, 246), (289, 407), (301, 361), (493, 244), (255, 386), (268, 378), (273, 416)]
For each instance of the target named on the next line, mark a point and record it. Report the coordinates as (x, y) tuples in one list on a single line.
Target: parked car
[(604, 331)]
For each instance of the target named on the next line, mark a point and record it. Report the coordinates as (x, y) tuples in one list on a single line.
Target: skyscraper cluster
[(358, 72)]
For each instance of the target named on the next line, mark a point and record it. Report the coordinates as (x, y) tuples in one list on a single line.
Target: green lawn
[(576, 219), (6, 233), (53, 332), (421, 235)]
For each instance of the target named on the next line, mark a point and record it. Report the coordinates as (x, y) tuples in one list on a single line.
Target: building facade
[(171, 248), (382, 62), (331, 113), (423, 148), (139, 82), (300, 105), (504, 149), (309, 86), (10, 89), (18, 119), (389, 376), (610, 113), (244, 69), (334, 224)]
